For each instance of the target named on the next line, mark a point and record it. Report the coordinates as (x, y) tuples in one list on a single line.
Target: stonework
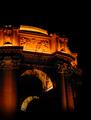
[(31, 51)]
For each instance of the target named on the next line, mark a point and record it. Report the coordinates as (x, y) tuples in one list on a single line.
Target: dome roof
[(33, 29)]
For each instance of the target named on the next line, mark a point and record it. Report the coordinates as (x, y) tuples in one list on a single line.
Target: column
[(64, 97), (70, 98), (8, 89), (62, 87)]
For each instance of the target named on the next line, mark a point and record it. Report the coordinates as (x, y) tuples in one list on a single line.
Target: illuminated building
[(29, 53)]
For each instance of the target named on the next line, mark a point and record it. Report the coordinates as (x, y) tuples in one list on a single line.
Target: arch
[(26, 102), (45, 79)]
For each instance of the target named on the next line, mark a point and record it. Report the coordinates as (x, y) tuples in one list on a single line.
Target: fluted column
[(9, 88), (63, 90), (67, 98), (63, 87), (9, 93), (70, 98)]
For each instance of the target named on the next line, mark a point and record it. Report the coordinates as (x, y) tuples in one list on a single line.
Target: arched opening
[(26, 102), (33, 83), (45, 79)]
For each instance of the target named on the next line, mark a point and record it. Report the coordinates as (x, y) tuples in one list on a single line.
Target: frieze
[(34, 44)]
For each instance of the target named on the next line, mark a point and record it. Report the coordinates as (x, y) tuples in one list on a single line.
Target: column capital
[(66, 69), (8, 63), (61, 67)]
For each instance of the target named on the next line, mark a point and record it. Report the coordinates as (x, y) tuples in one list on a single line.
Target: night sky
[(72, 21)]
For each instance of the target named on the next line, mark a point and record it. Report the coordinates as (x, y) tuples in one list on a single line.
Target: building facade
[(35, 65)]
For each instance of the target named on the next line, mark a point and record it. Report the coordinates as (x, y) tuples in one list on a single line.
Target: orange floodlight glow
[(9, 93)]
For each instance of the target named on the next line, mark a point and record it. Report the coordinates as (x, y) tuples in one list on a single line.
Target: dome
[(33, 29)]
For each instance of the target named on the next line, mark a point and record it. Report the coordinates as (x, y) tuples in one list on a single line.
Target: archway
[(47, 84), (27, 101)]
